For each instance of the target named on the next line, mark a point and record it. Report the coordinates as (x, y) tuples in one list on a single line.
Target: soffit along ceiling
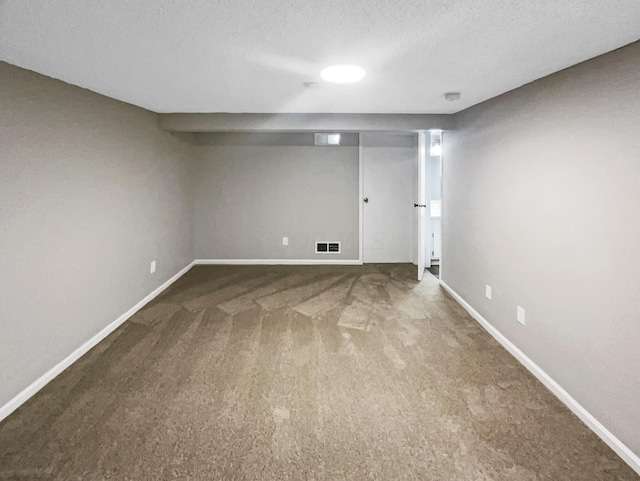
[(255, 56)]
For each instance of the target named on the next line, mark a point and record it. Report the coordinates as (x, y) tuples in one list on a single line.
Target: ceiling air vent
[(328, 247), (327, 139)]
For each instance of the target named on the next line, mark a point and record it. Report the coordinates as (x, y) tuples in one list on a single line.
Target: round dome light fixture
[(343, 74)]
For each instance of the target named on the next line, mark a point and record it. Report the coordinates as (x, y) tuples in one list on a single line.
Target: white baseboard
[(276, 262), (612, 441), (43, 380)]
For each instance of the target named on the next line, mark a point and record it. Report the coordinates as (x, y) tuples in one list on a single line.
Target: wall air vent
[(327, 139), (328, 247)]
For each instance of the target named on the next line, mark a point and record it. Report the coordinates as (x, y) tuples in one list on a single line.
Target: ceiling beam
[(226, 122)]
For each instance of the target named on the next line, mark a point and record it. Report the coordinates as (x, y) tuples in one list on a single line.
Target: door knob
[(366, 200)]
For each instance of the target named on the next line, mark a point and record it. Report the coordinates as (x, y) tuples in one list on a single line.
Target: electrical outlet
[(152, 269), (285, 241), (521, 317), (487, 291)]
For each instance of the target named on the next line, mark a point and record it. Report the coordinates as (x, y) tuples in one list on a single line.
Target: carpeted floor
[(300, 373)]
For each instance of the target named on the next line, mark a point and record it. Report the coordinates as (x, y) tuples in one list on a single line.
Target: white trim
[(360, 199), (277, 262), (607, 436), (442, 229), (424, 227), (47, 377), (426, 200)]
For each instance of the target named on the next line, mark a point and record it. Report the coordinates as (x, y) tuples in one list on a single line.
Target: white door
[(388, 163)]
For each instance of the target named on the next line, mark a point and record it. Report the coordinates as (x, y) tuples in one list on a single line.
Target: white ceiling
[(255, 55)]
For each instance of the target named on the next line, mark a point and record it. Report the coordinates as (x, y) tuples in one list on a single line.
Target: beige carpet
[(300, 373)]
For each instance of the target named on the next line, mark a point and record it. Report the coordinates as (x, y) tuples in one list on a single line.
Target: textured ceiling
[(254, 56)]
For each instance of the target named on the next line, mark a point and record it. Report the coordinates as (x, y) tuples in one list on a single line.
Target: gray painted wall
[(541, 193), (91, 190), (247, 197)]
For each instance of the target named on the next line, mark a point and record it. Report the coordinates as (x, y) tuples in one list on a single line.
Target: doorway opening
[(434, 178), (401, 205)]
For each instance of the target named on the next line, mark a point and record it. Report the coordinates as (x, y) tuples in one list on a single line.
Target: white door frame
[(441, 260), (423, 201), (361, 199)]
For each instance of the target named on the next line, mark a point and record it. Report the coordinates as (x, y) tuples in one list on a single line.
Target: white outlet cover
[(521, 316), (487, 291), (285, 241), (153, 267)]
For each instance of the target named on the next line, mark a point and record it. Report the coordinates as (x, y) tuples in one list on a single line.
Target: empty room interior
[(336, 240)]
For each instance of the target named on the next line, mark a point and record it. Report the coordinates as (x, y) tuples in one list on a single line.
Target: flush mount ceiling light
[(343, 74)]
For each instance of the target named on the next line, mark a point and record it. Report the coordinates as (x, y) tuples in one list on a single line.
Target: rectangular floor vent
[(328, 247)]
